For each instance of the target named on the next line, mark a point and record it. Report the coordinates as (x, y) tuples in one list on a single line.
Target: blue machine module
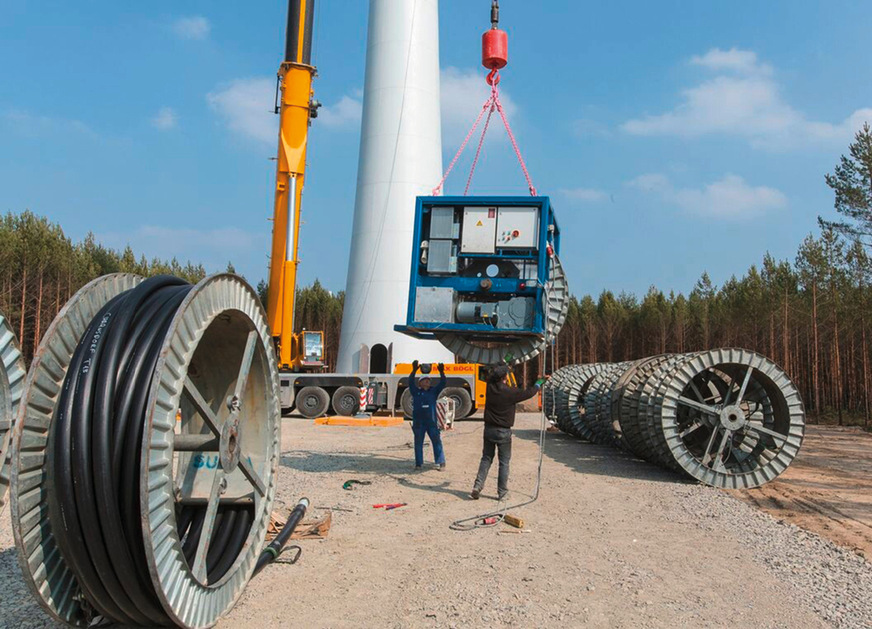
[(480, 266)]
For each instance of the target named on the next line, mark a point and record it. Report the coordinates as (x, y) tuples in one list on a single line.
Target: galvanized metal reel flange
[(739, 436), (524, 348), (552, 388), (44, 571), (709, 385), (625, 402), (564, 390), (618, 391), (576, 420), (607, 415), (215, 389), (12, 374), (571, 412), (218, 367), (597, 403), (654, 448)]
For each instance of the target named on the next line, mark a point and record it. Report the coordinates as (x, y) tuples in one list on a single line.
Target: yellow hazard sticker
[(479, 224)]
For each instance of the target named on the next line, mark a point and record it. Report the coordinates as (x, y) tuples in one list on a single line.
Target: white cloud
[(746, 101), (728, 198), (246, 107), (652, 182), (463, 94), (193, 27), (743, 61), (590, 195), (343, 115), (33, 125), (165, 119)]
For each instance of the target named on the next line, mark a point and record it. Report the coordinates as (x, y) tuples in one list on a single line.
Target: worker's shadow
[(326, 462), (589, 458), (441, 488)]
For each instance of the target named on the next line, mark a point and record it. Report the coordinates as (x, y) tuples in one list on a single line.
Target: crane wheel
[(312, 402), (462, 401), (346, 401)]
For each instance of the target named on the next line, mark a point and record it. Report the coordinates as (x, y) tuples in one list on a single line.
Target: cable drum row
[(729, 418), (145, 452)]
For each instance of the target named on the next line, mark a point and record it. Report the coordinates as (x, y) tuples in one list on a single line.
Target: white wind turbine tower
[(400, 158)]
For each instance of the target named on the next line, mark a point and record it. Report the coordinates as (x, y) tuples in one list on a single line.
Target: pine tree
[(852, 184)]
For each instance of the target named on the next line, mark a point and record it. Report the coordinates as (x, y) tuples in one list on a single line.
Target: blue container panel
[(549, 236)]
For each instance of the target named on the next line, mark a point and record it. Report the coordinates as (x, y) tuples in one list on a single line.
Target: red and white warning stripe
[(445, 413)]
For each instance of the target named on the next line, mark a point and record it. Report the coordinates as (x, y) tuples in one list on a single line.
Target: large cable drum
[(12, 374), (573, 410), (166, 396), (731, 418)]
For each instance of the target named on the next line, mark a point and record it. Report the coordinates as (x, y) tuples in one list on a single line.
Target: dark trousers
[(495, 439), (430, 428)]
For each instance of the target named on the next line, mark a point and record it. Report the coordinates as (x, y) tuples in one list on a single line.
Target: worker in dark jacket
[(499, 417), (424, 422)]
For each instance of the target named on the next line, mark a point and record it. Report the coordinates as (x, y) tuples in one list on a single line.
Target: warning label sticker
[(479, 224)]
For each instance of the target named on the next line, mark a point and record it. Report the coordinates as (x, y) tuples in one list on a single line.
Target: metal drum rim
[(51, 583), (680, 377), (188, 602)]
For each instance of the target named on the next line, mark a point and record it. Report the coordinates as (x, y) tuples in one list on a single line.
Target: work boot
[(441, 467), (475, 493), (503, 496), (419, 468)]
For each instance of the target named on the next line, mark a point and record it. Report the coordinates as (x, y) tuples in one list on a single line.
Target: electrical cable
[(95, 460)]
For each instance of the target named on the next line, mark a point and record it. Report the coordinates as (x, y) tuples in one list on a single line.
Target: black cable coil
[(95, 460)]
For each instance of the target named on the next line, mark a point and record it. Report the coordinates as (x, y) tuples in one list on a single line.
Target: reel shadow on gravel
[(589, 458), (18, 608)]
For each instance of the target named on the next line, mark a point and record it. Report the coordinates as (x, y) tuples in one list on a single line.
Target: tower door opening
[(378, 359)]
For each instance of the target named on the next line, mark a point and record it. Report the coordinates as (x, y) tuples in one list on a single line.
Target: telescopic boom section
[(296, 108)]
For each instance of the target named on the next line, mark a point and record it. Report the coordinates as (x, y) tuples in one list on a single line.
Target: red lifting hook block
[(494, 49)]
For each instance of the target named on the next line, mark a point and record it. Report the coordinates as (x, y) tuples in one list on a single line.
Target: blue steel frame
[(547, 236)]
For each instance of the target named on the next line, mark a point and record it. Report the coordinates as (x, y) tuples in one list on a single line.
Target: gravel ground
[(612, 542)]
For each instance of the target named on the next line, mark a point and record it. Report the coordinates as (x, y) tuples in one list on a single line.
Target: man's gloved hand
[(414, 365), (441, 368)]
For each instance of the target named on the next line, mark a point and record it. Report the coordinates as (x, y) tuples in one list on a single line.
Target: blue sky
[(674, 137)]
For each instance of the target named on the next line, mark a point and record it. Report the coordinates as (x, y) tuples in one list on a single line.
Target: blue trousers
[(421, 427)]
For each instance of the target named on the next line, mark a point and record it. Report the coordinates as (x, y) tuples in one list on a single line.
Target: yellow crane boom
[(296, 108)]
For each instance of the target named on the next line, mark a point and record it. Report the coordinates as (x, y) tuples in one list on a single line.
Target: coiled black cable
[(95, 460)]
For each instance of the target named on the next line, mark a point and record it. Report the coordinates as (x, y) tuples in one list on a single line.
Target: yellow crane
[(296, 107)]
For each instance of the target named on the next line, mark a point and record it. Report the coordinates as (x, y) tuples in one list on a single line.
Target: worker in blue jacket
[(424, 422)]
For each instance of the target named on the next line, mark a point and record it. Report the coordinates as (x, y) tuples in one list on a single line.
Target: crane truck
[(305, 384)]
